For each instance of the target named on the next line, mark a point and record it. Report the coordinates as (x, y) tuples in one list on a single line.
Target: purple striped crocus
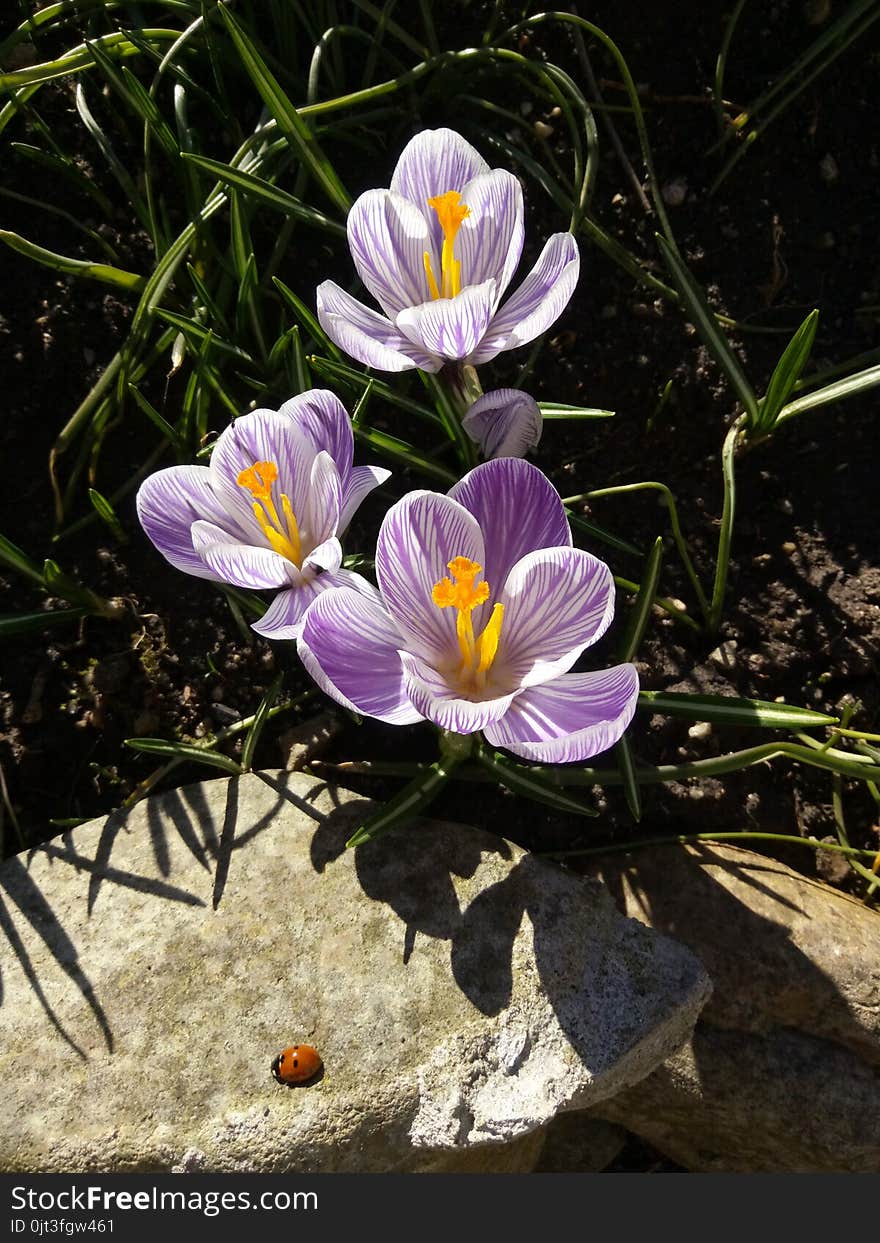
[(504, 423), (267, 513), (483, 607), (437, 251)]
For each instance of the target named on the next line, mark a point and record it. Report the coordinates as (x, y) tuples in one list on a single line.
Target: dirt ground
[(793, 227)]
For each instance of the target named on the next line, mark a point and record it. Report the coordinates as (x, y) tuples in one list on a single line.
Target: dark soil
[(789, 229)]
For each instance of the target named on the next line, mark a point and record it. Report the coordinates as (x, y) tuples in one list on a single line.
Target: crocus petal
[(361, 482), (349, 644), (437, 698), (540, 299), (263, 436), (419, 536), (388, 236), (490, 240), (322, 418), (504, 423), (242, 565), (317, 514), (327, 556), (434, 161), (169, 502), (557, 601), (450, 327), (283, 618), (569, 719), (518, 511), (366, 335)]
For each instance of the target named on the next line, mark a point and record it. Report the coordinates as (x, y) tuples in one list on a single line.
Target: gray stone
[(782, 950), (461, 993), (783, 1071), (730, 1102)]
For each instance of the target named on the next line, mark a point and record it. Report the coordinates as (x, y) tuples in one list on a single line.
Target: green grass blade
[(594, 531), (704, 321), (184, 752), (108, 515), (522, 781), (261, 716), (628, 778), (16, 559), (265, 192), (12, 624), (405, 454), (728, 710), (102, 272), (406, 805), (562, 411), (291, 124), (786, 373), (850, 386), (641, 610)]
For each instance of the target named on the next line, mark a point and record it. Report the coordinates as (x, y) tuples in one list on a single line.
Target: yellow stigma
[(463, 593), (283, 537), (450, 212)]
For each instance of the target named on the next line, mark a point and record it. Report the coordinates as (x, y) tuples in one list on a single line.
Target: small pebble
[(674, 192), (543, 130), (702, 729), (788, 547), (724, 655), (828, 170)]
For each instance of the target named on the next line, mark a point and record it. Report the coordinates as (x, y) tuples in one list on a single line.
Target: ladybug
[(297, 1064)]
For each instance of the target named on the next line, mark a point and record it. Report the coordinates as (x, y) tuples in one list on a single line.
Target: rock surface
[(460, 992), (783, 1072)]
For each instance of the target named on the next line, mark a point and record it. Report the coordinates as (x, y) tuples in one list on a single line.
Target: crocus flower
[(483, 608), (267, 512), (504, 423), (437, 251)]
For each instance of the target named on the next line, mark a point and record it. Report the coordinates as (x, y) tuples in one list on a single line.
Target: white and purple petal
[(368, 336), (570, 719), (490, 240), (242, 565), (419, 536), (169, 502), (324, 421), (518, 511), (450, 328), (283, 618), (349, 644), (557, 601), (431, 163), (537, 303), (262, 436), (388, 237), (437, 698), (317, 512), (504, 423), (361, 481)]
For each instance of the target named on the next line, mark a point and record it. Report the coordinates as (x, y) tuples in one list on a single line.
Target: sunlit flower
[(266, 514), (437, 251), (504, 423), (484, 606)]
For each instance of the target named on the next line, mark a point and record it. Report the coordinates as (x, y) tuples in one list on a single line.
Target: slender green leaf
[(261, 716), (641, 610), (628, 777), (291, 124), (28, 623), (594, 531), (406, 805), (521, 780), (75, 267), (18, 560), (704, 321), (400, 451), (561, 410), (184, 752), (728, 710), (158, 420), (107, 514), (308, 319), (266, 192), (359, 380), (850, 386), (786, 373)]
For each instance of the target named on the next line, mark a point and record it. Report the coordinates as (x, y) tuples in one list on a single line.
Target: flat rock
[(783, 1071), (461, 993), (782, 950)]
